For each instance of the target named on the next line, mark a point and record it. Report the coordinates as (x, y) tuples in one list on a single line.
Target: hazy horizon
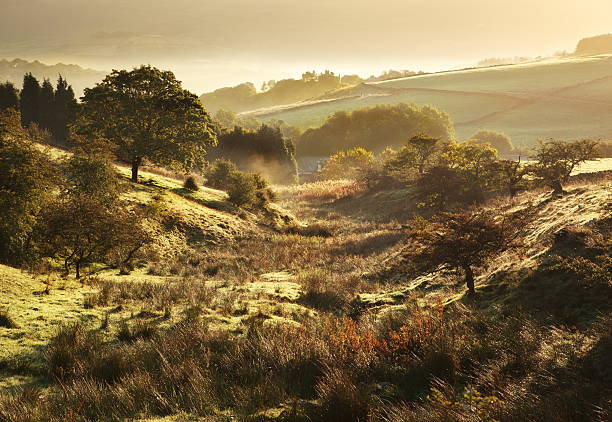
[(210, 45)]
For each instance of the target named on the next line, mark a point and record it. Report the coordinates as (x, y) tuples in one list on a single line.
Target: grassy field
[(235, 317), (556, 98)]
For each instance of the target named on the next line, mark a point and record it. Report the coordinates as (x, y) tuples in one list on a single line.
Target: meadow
[(554, 98), (234, 316)]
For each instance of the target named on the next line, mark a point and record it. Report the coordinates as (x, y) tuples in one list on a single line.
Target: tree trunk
[(135, 164), (77, 267), (557, 188), (469, 279)]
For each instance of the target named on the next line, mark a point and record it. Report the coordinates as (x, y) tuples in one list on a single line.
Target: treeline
[(445, 175), (373, 128), (245, 97), (41, 105), (264, 150)]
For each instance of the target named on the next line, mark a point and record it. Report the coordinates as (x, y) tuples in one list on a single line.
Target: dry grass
[(301, 324)]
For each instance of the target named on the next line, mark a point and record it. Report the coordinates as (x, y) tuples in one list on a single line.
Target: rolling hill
[(78, 77), (553, 98)]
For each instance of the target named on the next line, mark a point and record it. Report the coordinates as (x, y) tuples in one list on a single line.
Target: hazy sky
[(210, 44)]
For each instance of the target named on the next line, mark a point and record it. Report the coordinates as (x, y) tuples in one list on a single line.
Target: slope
[(567, 98)]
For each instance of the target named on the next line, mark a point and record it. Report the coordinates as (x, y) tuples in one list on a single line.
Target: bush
[(249, 189), (219, 174), (191, 184), (241, 189)]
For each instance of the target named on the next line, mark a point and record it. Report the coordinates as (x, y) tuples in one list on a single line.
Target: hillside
[(601, 44), (564, 98), (76, 76), (239, 316)]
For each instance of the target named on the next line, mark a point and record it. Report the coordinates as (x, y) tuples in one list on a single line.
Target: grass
[(556, 98), (317, 322)]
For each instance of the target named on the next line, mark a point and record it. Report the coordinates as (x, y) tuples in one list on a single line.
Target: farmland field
[(557, 98)]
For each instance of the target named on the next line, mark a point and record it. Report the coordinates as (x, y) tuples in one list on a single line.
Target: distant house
[(308, 167)]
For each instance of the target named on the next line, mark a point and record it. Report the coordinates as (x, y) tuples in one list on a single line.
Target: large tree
[(65, 105), (146, 113), (557, 159), (462, 241), (26, 178), (46, 105), (30, 100)]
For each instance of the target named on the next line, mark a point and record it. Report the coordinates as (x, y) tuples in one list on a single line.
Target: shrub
[(249, 189), (191, 184), (220, 173), (241, 189)]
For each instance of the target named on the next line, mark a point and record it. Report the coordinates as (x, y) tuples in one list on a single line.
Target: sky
[(210, 44)]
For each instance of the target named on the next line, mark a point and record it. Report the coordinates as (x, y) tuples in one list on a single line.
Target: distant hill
[(245, 97), (76, 76), (601, 44), (564, 98)]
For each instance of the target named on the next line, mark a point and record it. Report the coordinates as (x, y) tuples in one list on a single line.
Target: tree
[(500, 141), (474, 162), (25, 180), (557, 159), (440, 187), (46, 106), (65, 107), (375, 128), (92, 175), (416, 154), (462, 241), (79, 231), (511, 174), (347, 164), (88, 222), (30, 100), (9, 96), (265, 150), (147, 115)]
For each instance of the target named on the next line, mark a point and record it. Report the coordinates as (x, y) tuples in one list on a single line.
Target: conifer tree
[(9, 96), (30, 100), (65, 105), (46, 105)]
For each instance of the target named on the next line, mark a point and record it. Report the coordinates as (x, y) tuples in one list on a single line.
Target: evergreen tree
[(65, 105), (9, 96), (46, 106), (30, 100)]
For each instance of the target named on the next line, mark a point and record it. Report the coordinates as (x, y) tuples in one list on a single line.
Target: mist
[(211, 44)]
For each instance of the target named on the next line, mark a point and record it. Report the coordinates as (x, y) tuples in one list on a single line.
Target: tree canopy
[(462, 241), (375, 128), (9, 96), (25, 181), (146, 114), (557, 159)]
